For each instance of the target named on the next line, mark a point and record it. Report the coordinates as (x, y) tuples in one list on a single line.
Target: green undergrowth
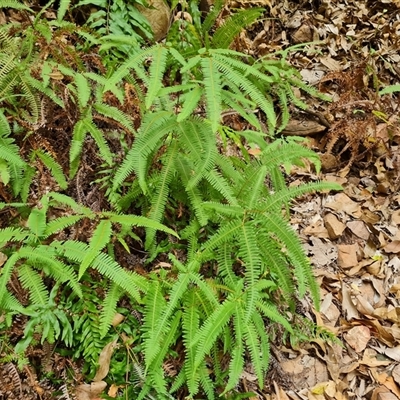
[(192, 247)]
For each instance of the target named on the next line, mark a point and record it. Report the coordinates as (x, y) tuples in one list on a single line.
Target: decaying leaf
[(104, 361)]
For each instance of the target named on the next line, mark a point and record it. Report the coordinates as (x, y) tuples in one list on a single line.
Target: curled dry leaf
[(90, 392), (104, 361)]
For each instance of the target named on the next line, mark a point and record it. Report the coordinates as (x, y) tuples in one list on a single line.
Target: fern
[(226, 33)]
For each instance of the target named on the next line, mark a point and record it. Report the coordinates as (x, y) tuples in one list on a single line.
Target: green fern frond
[(101, 236), (109, 308), (190, 325), (251, 257), (190, 100), (154, 304), (302, 267), (154, 127), (11, 234), (138, 220), (43, 257), (212, 86), (156, 74), (153, 343), (83, 89), (218, 182), (62, 9), (6, 271), (226, 33), (33, 282), (211, 329), (78, 137), (231, 76), (199, 144), (253, 344), (115, 114), (237, 356), (185, 168), (61, 223), (225, 234), (270, 311), (15, 4), (159, 199), (37, 221), (54, 167)]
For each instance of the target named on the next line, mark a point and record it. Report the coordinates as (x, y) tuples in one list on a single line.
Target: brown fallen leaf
[(392, 247), (359, 229), (347, 255), (90, 392), (334, 227), (358, 338), (104, 361)]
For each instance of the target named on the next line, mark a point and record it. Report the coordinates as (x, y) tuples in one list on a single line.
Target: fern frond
[(251, 257), (211, 329), (190, 325), (163, 324), (43, 257), (54, 167), (154, 127), (225, 234), (83, 89), (11, 234), (295, 252), (37, 221), (138, 220), (101, 236), (237, 356), (253, 344), (198, 141), (159, 199), (62, 9), (190, 100), (226, 33), (156, 371), (5, 274), (218, 182), (61, 223), (70, 202), (109, 308), (212, 86), (284, 196), (185, 169), (156, 73), (98, 137), (78, 137), (32, 281), (15, 4), (115, 114), (270, 311), (154, 304)]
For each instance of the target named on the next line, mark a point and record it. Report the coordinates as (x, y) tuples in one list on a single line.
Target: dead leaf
[(370, 359), (359, 229), (347, 255), (393, 247), (118, 318), (90, 392), (104, 361), (334, 227), (358, 338), (342, 203), (348, 306)]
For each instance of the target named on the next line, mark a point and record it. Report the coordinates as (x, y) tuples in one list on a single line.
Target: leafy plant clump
[(223, 267)]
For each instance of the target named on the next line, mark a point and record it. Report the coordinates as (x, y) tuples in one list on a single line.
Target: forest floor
[(352, 237)]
